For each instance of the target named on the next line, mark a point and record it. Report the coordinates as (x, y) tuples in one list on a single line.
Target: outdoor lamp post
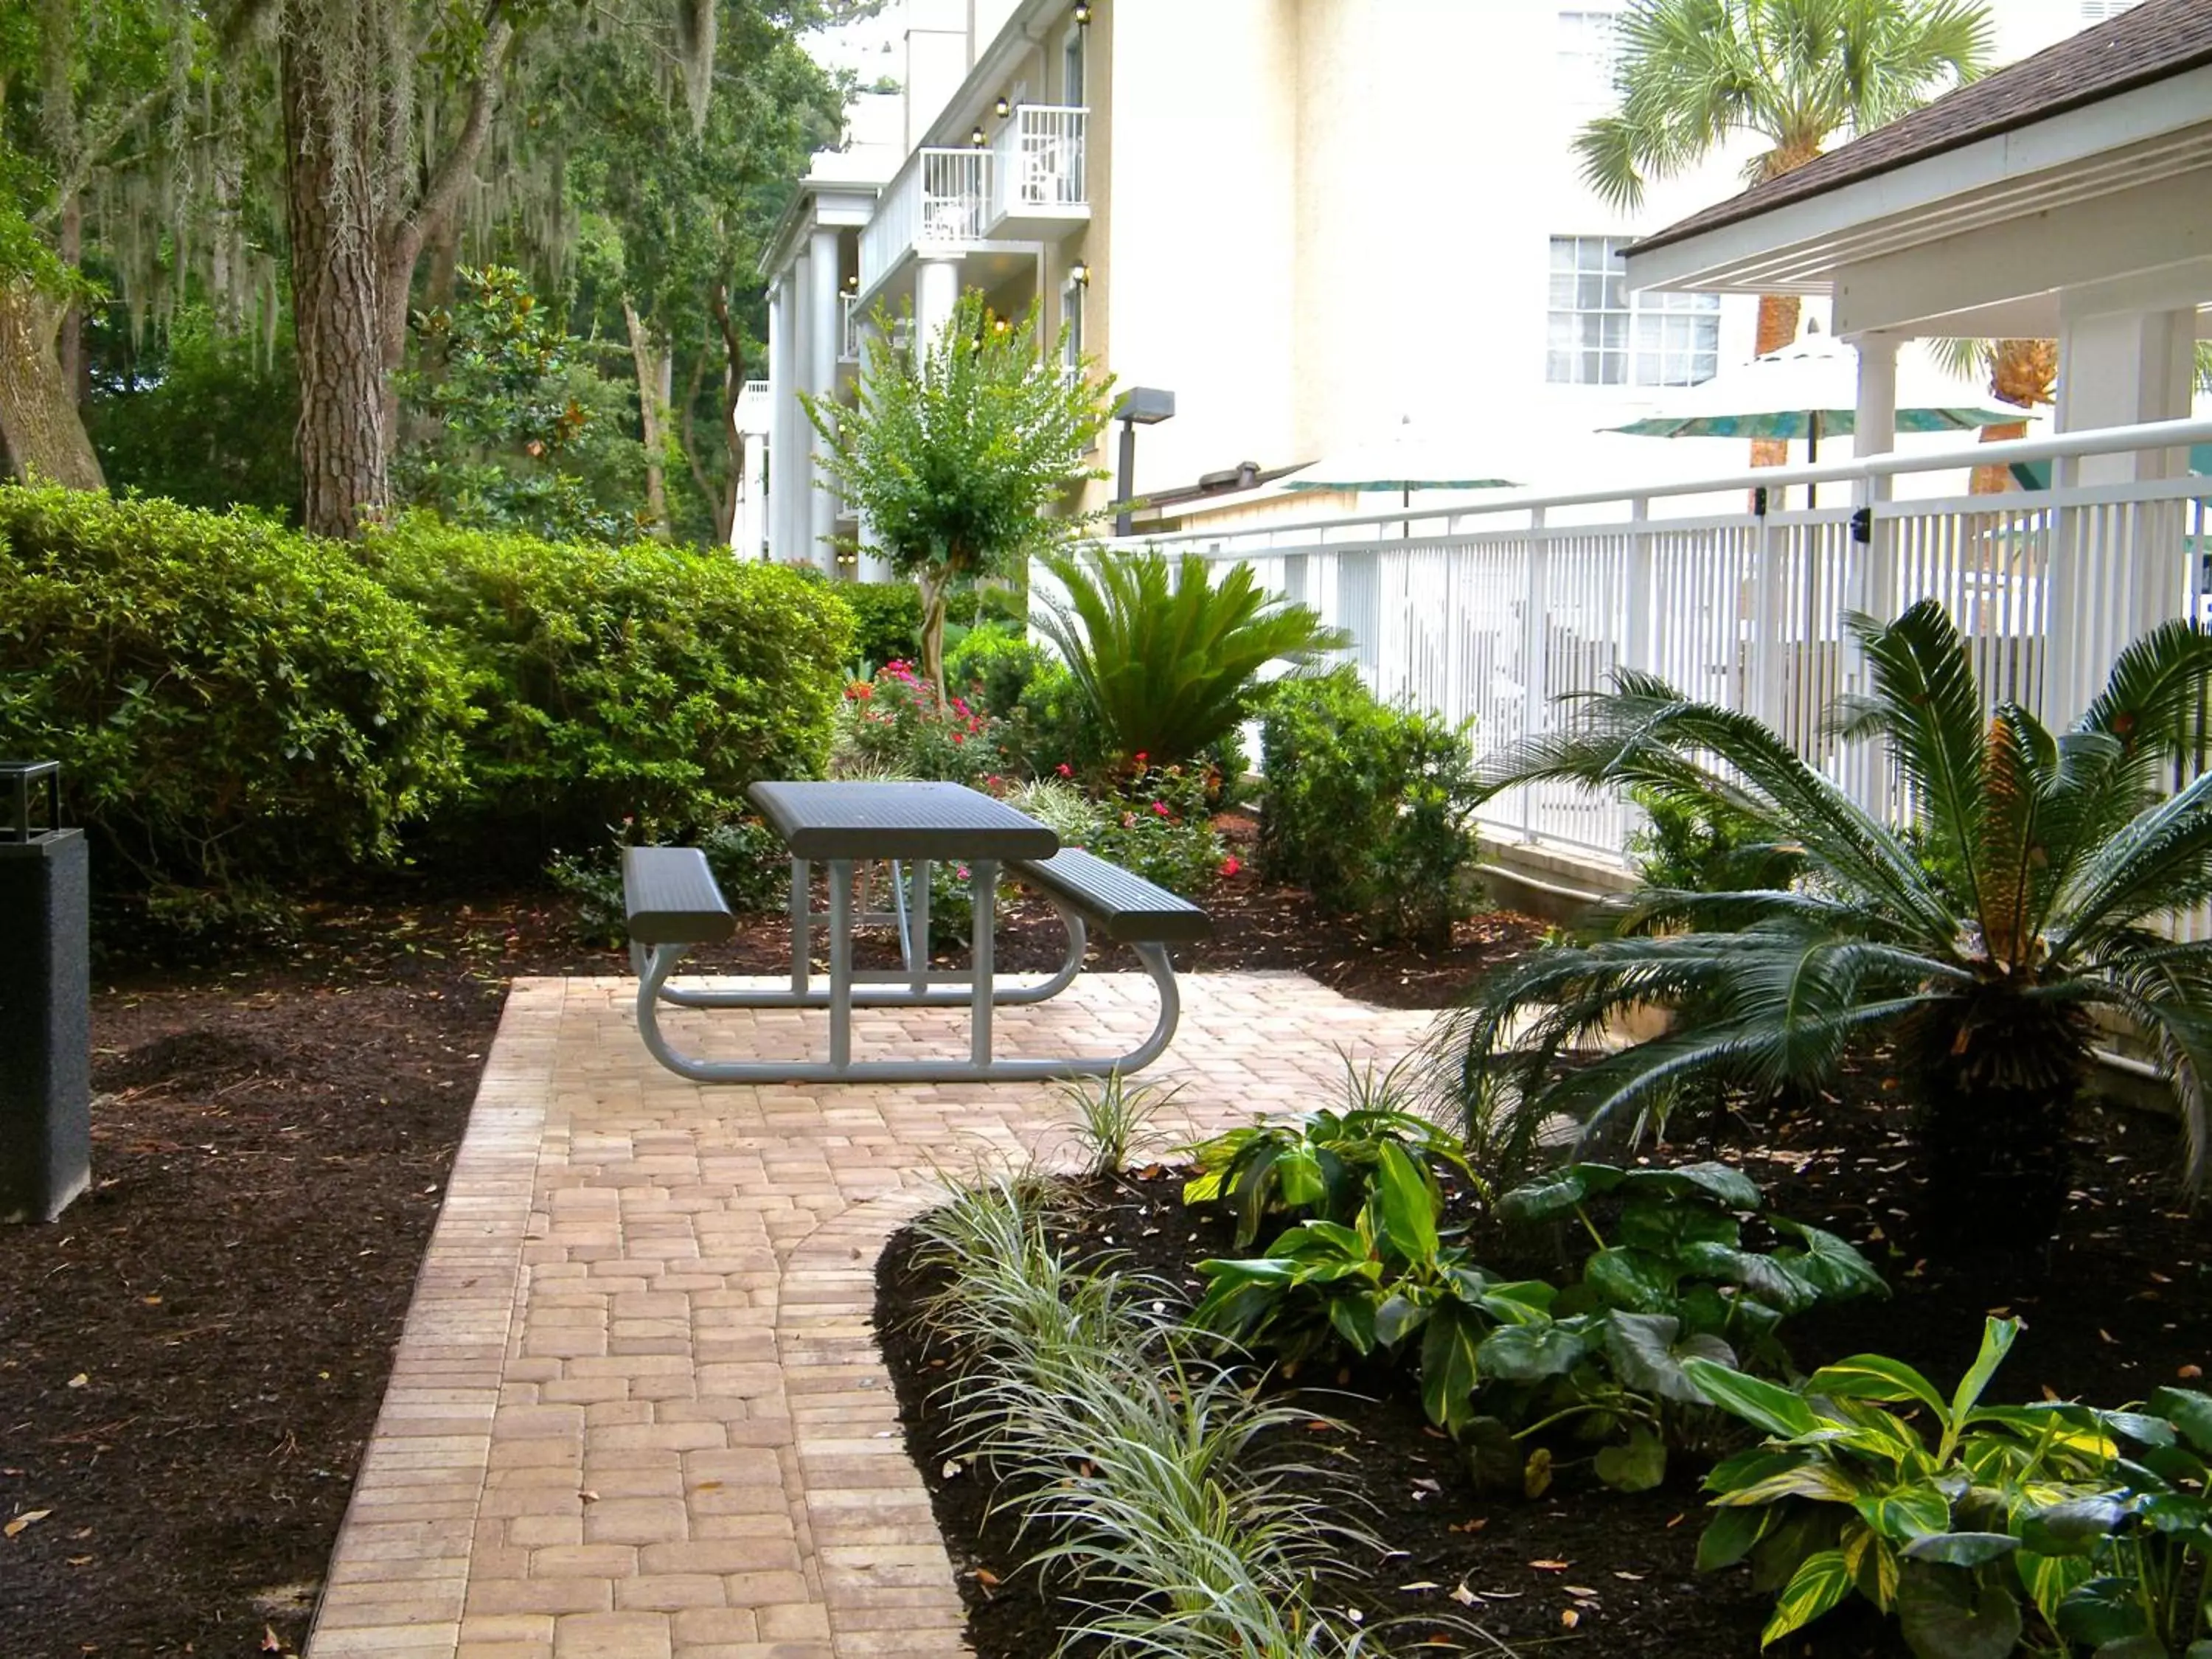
[(1141, 405), (46, 1000)]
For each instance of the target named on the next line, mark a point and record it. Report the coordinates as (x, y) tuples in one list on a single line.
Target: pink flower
[(1229, 866), (1160, 807), (1140, 758), (1065, 770), (960, 709), (962, 871)]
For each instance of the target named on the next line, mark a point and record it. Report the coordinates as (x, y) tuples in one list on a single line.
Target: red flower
[(1229, 866), (1161, 808), (1065, 770), (1139, 758)]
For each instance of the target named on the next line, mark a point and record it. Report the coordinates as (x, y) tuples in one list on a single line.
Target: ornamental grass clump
[(1136, 1464), (1965, 950)]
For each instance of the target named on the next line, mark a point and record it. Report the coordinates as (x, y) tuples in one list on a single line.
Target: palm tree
[(1694, 74), (1168, 658), (1971, 946), (2023, 373)]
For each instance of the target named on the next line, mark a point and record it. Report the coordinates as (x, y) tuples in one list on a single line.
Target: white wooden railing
[(1038, 156), (1495, 609), (940, 200)]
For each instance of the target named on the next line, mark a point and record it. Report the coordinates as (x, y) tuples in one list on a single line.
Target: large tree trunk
[(2023, 373), (46, 439), (649, 355), (338, 299)]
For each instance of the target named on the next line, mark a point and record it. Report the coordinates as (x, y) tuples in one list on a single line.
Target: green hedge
[(234, 705), (886, 622), (1367, 805), (640, 682)]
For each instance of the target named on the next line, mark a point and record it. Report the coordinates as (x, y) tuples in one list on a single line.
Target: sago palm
[(1168, 658), (1694, 75), (1968, 947)]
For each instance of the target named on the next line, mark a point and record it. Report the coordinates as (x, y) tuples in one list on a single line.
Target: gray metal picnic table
[(848, 826)]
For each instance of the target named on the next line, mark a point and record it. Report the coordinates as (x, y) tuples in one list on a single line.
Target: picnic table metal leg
[(918, 922), (841, 963), (802, 925), (984, 887)]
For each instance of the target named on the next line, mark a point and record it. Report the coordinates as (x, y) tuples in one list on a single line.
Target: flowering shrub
[(893, 723), (1157, 827)]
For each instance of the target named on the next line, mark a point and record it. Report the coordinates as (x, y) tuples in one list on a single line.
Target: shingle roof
[(2153, 41)]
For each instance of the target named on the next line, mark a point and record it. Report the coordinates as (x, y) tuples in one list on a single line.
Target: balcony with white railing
[(1497, 609), (1038, 187), (939, 204)]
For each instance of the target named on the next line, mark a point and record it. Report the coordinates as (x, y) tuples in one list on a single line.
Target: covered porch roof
[(2078, 180)]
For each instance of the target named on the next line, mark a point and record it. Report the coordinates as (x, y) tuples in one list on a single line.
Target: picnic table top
[(864, 820)]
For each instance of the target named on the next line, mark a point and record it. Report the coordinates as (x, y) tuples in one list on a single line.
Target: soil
[(2122, 1308), (193, 1357)]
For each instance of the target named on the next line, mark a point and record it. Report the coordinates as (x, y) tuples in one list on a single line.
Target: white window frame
[(1640, 347), (1074, 50), (1071, 318), (1586, 70)]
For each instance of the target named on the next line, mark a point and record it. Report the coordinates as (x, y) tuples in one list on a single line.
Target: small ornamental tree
[(956, 453)]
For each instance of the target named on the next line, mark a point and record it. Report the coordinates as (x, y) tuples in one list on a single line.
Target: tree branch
[(686, 436)]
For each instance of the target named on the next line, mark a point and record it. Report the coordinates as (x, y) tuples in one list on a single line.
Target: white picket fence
[(1498, 609)]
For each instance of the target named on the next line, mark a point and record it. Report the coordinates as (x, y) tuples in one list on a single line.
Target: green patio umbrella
[(1411, 459), (1808, 390)]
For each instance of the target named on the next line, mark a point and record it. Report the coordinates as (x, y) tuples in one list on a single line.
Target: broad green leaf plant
[(1969, 946), (959, 450), (1871, 1481)]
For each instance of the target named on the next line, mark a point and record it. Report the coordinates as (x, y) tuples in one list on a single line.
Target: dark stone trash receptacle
[(45, 999)]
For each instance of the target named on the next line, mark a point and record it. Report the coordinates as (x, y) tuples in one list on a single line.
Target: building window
[(1600, 334), (1071, 317), (1586, 51), (2099, 11), (1071, 68)]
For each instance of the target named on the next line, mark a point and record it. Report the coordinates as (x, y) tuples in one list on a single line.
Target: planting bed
[(2123, 1308)]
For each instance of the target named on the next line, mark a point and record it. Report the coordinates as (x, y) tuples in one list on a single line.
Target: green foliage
[(1151, 1474), (204, 419), (994, 665), (1703, 847), (748, 859), (1693, 74), (1053, 732), (524, 438), (615, 684), (234, 705), (1319, 1164), (1603, 1351), (894, 726), (956, 454), (1168, 660), (1368, 806), (1849, 1494), (1114, 1118), (1156, 825), (1972, 944), (886, 622)]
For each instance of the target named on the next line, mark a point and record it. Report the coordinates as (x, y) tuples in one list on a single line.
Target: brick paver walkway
[(638, 1412)]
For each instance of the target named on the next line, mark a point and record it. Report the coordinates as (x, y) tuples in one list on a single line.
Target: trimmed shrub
[(1367, 805), (886, 623), (994, 664), (232, 704), (643, 682)]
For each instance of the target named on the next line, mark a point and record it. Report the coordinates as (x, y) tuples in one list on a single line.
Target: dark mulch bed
[(191, 1358), (2123, 1308)]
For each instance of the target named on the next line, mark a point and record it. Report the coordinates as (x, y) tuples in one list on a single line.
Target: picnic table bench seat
[(672, 897), (1122, 906)]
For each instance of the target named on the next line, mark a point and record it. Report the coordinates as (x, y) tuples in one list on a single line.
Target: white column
[(798, 505), (748, 534), (874, 567), (821, 381), (936, 292), (1874, 432), (783, 412), (2120, 369)]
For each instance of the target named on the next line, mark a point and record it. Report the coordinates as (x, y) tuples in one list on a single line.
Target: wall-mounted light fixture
[(977, 138), (853, 281), (1000, 325), (1082, 13), (1079, 274), (1003, 109)]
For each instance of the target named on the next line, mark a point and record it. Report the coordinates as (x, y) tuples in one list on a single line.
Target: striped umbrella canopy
[(1410, 459), (1808, 390)]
